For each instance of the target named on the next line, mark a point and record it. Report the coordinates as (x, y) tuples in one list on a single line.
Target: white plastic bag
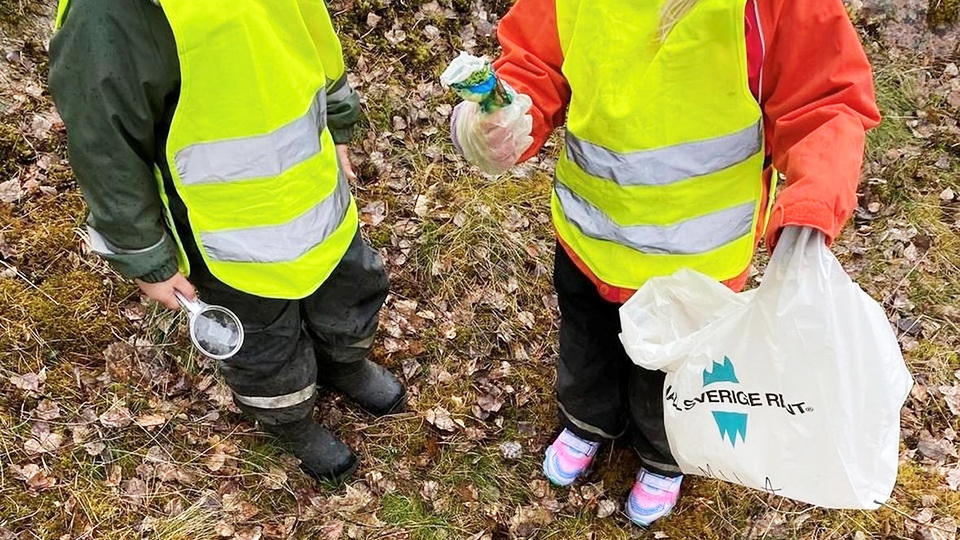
[(794, 388)]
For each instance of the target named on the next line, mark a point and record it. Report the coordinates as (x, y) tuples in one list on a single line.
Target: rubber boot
[(367, 383), (322, 455)]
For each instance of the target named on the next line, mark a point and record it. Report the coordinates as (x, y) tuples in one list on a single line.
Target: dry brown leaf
[(422, 205), (515, 221), (941, 529), (156, 454), (49, 443), (527, 319), (6, 252), (951, 394), (135, 490), (468, 493), (275, 479), (94, 448), (380, 483), (606, 508), (274, 529), (221, 395), (146, 471), (43, 439), (215, 462), (373, 213), (114, 475), (355, 498), (41, 481), (511, 450), (935, 449), (395, 35), (244, 510), (222, 528), (540, 488), (24, 472), (429, 490), (253, 533), (490, 403), (953, 478), (924, 516), (40, 125), (47, 410), (529, 519), (332, 530), (410, 368), (10, 190), (150, 420), (406, 307), (29, 382), (116, 416), (393, 345), (449, 329), (167, 472), (440, 417)]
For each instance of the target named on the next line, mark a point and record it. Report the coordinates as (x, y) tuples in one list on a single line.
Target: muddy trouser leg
[(648, 435), (273, 376), (592, 368), (342, 315)]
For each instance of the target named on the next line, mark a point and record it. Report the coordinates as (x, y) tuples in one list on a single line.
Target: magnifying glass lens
[(217, 332)]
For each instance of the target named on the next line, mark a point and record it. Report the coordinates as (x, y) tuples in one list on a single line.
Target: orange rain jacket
[(807, 70)]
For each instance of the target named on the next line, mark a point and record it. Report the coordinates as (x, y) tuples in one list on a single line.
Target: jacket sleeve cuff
[(163, 273), (152, 263), (808, 213), (343, 110), (342, 135)]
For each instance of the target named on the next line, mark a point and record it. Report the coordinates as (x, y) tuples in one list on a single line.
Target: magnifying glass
[(215, 330)]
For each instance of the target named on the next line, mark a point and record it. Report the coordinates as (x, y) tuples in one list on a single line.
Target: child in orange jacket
[(803, 67)]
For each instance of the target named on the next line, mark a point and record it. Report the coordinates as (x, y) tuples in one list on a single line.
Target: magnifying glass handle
[(191, 306)]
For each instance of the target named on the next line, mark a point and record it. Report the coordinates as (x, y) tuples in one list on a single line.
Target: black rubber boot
[(367, 383), (322, 455)]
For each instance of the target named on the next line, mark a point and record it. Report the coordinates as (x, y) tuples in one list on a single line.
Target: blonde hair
[(670, 14)]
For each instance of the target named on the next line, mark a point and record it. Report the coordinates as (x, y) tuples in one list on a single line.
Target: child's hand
[(494, 142), (343, 154), (163, 291)]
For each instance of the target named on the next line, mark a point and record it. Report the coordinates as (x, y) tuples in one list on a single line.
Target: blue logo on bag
[(728, 392), (720, 373), (730, 424)]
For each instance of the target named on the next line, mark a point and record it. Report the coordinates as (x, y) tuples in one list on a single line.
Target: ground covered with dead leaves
[(111, 428)]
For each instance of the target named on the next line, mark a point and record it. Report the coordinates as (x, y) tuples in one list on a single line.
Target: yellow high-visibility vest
[(663, 160), (248, 148)]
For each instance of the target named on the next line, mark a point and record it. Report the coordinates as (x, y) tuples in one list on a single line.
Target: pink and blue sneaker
[(568, 458), (652, 497)]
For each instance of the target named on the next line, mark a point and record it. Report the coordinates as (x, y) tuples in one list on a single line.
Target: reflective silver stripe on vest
[(284, 242), (662, 166), (277, 402), (260, 156), (692, 236)]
